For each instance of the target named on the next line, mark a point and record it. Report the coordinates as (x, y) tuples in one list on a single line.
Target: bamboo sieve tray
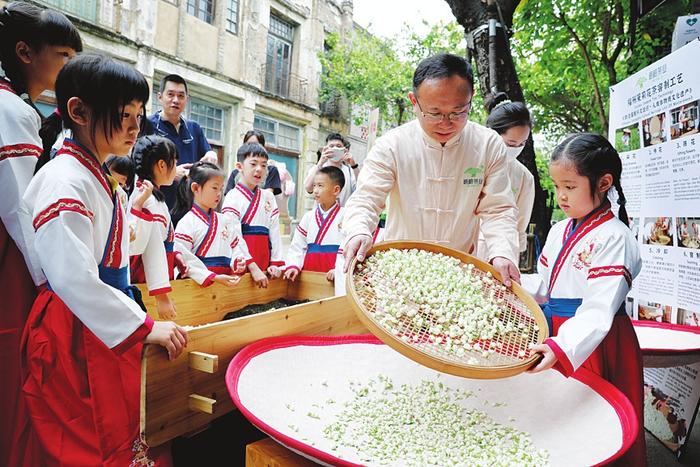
[(510, 352)]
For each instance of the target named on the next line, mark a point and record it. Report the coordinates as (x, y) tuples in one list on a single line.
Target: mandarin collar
[(432, 143)]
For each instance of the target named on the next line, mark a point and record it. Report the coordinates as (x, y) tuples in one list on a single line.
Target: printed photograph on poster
[(627, 139), (688, 229), (651, 311), (685, 120), (662, 419), (688, 317), (653, 130), (658, 231), (634, 226)]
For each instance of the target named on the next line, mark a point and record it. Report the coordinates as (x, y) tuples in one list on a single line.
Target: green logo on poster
[(641, 81)]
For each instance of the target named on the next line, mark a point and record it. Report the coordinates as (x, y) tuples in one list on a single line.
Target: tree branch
[(589, 66)]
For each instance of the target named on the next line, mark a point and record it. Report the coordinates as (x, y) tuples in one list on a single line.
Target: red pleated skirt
[(82, 397), (319, 262), (259, 248), (17, 446), (618, 359)]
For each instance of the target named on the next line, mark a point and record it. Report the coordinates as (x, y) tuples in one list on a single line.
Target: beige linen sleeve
[(525, 204), (374, 183), (496, 207)]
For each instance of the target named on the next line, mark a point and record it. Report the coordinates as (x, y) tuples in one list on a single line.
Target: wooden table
[(269, 453)]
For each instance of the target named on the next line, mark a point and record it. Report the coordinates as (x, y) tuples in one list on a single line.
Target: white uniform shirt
[(72, 205), (201, 235), (263, 213), (315, 222), (20, 148), (437, 193), (152, 227)]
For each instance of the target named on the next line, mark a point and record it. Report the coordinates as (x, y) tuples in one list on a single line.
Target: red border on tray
[(622, 406), (667, 327)]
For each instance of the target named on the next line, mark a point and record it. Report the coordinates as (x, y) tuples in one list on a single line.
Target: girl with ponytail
[(85, 333), (34, 45), (152, 258), (587, 267)]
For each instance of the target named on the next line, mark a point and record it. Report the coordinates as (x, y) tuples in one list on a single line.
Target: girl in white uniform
[(151, 249), (85, 333), (34, 45), (208, 240), (587, 267)]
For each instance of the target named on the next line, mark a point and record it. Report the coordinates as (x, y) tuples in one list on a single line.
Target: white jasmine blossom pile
[(426, 425), (430, 298)]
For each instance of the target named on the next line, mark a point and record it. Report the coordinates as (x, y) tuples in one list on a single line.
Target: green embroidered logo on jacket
[(473, 176)]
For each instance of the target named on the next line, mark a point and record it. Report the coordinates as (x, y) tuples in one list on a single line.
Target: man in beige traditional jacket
[(441, 173)]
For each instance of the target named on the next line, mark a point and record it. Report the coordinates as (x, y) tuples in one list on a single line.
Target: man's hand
[(182, 171), (549, 358), (509, 272), (210, 157), (330, 275), (291, 274), (327, 154), (357, 246)]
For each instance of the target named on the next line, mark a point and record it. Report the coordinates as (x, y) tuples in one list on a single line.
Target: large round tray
[(511, 358), (667, 345), (582, 420)]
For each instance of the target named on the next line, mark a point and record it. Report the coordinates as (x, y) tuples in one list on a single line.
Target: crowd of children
[(72, 227)]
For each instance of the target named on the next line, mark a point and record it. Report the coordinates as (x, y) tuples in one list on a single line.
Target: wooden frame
[(184, 395)]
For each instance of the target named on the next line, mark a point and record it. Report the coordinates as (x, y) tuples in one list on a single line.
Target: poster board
[(654, 125)]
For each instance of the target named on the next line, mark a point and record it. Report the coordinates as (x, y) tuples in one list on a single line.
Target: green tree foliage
[(568, 53), (375, 72), (367, 71)]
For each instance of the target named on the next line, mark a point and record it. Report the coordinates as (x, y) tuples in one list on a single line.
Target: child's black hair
[(122, 165), (335, 174), (504, 114), (250, 150), (593, 156), (258, 135), (105, 86), (37, 27), (146, 154), (200, 173)]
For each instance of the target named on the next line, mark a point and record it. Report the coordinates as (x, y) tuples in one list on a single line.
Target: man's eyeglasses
[(436, 117)]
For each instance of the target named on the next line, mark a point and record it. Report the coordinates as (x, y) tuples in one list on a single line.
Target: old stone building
[(248, 63)]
